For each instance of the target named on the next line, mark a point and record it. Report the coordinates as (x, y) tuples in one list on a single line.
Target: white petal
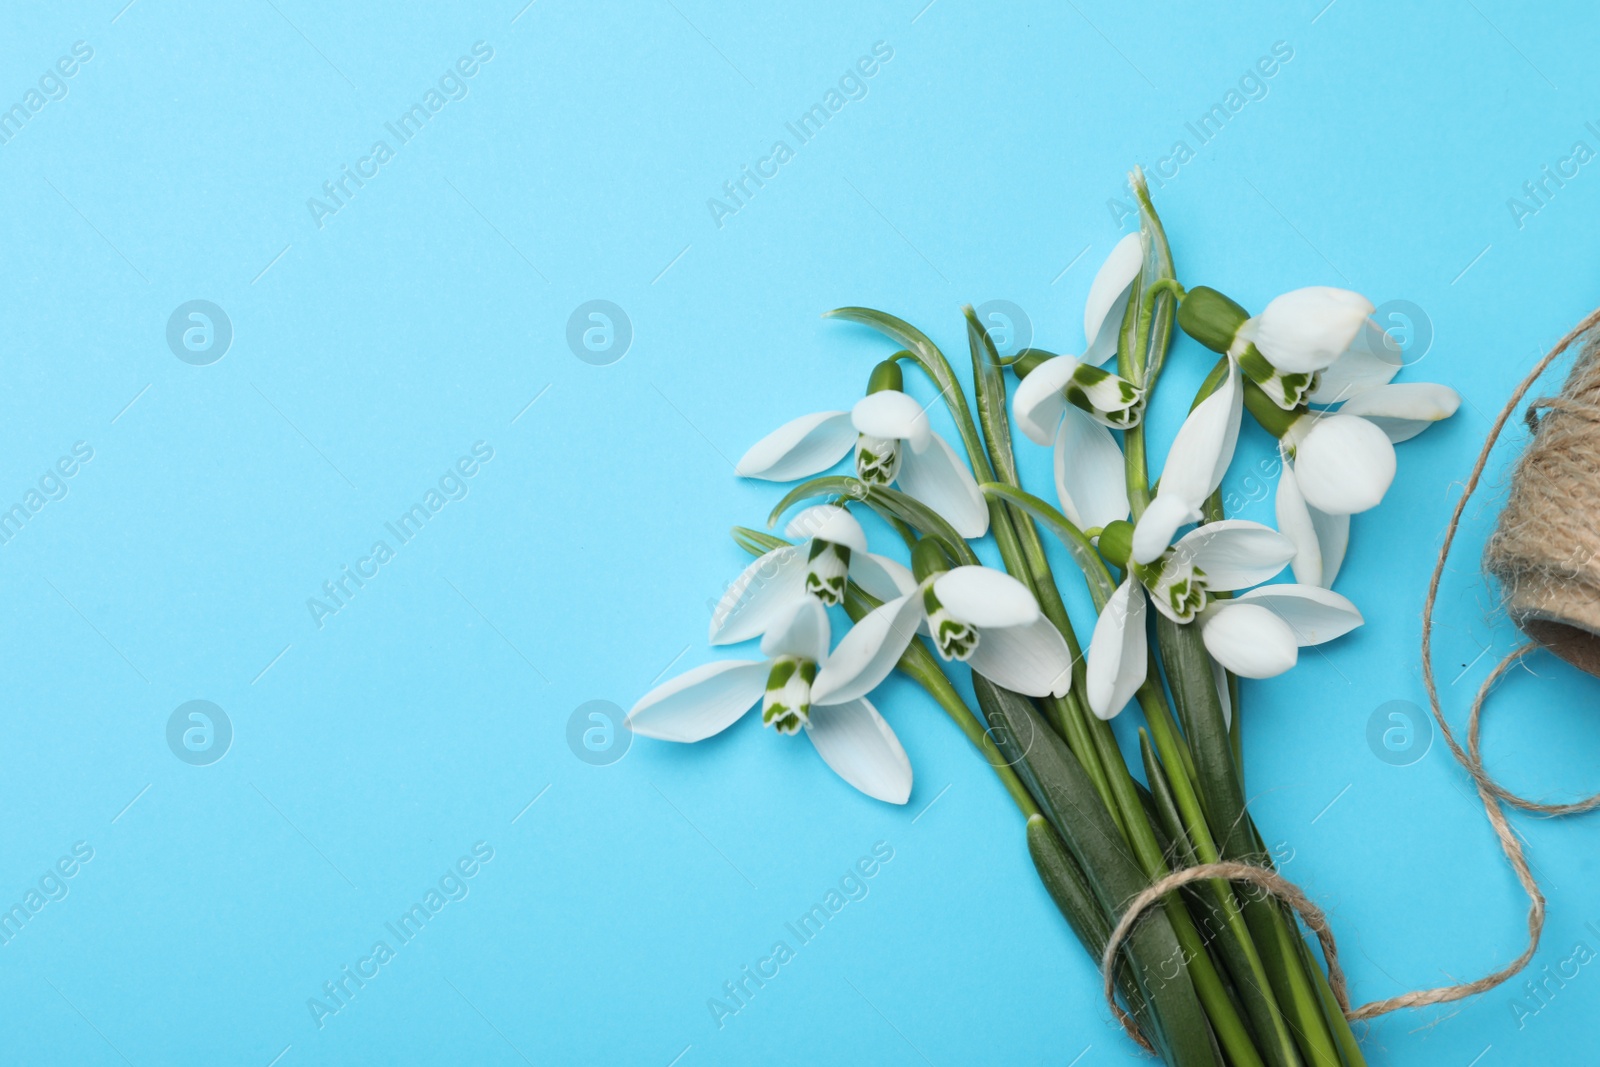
[(798, 449), (1032, 659), (1235, 553), (1108, 297), (937, 477), (880, 575), (803, 632), (1220, 676), (1294, 520), (1405, 410), (866, 655), (891, 413), (762, 594), (1344, 465), (1319, 538), (1247, 639), (1333, 534), (1373, 359), (705, 701), (1307, 329), (1199, 457), (1118, 652), (1313, 614), (1090, 481), (1039, 399), (828, 522), (853, 739), (1153, 533), (983, 597)]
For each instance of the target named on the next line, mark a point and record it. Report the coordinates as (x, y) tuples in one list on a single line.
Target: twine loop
[(1265, 878)]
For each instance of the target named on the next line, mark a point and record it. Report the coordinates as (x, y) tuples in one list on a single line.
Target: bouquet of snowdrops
[(1217, 974)]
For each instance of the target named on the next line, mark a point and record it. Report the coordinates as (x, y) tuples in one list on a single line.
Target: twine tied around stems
[(1545, 552)]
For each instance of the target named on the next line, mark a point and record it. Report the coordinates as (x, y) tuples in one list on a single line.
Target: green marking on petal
[(827, 571), (1287, 391), (1113, 401), (1087, 375), (954, 639), (877, 459), (1257, 366), (786, 705), (1181, 587)]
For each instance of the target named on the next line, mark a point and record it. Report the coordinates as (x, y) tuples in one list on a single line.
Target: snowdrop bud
[(1116, 542), (886, 376), (928, 558), (1211, 318), (1305, 330)]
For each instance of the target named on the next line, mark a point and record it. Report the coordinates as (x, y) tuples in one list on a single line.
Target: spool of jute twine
[(1545, 553)]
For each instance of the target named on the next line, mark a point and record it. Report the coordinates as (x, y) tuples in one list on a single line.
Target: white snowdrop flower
[(848, 734)]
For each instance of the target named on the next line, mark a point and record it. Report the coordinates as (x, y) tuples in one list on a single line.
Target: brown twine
[(1267, 879), (1554, 498), (1545, 547)]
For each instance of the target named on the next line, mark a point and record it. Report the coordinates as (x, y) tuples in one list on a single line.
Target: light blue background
[(369, 354)]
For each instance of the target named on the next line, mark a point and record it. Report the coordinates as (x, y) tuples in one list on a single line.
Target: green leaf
[(1166, 807), (1067, 798), (990, 384), (891, 503), (1199, 708), (827, 485), (1069, 887), (757, 542)]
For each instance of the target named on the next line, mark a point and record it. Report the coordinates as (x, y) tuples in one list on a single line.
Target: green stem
[(1073, 892), (1138, 466), (934, 682), (1164, 729), (1024, 554), (1225, 1017), (1095, 572), (1349, 1048), (1189, 671), (1245, 960), (1230, 1026), (1235, 733), (1166, 806)]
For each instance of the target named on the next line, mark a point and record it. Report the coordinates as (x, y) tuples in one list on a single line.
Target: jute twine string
[(1267, 879), (1540, 515)]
